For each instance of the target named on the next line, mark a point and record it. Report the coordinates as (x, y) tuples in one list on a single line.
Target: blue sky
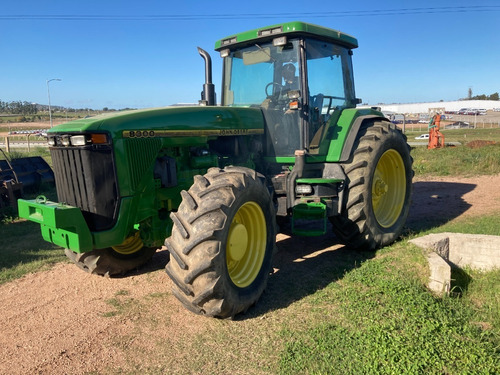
[(115, 54)]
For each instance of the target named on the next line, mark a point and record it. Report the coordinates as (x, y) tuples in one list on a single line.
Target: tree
[(493, 96)]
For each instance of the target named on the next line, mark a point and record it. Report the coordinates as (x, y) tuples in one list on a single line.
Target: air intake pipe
[(208, 93)]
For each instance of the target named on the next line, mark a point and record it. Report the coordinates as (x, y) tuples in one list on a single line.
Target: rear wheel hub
[(389, 188)]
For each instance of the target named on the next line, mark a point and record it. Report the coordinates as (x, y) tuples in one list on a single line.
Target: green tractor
[(210, 181)]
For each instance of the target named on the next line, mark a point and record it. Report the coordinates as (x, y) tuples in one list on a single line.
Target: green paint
[(61, 224), (288, 28), (338, 132), (318, 180)]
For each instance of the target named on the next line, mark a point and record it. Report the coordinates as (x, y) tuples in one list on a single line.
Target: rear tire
[(378, 188), (222, 242), (113, 261)]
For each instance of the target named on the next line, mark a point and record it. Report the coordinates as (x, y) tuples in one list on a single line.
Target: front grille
[(85, 178)]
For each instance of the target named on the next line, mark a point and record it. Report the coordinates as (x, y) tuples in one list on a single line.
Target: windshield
[(268, 77), (247, 72)]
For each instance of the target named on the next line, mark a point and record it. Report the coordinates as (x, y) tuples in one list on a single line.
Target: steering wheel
[(272, 84)]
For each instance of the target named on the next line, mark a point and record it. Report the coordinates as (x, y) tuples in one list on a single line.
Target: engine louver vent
[(141, 152)]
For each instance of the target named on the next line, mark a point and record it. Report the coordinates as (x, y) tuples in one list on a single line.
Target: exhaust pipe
[(208, 93)]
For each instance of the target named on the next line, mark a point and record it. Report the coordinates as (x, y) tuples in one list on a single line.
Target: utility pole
[(48, 92)]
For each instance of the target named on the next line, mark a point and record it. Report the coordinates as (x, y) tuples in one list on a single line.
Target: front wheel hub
[(130, 246), (237, 242), (246, 244)]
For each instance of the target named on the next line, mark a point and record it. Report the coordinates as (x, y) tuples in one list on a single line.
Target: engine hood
[(171, 122)]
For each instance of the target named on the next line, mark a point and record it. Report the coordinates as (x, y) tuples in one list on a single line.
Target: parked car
[(423, 136), (459, 125), (472, 112)]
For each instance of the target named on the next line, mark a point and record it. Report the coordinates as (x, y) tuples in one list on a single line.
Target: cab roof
[(295, 28)]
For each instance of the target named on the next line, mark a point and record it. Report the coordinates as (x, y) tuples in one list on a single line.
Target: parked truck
[(210, 181)]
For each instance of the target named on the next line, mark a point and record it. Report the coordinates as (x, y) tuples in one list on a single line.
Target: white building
[(448, 106)]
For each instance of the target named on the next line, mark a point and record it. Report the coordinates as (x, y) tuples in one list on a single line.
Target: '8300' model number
[(189, 133), (140, 133)]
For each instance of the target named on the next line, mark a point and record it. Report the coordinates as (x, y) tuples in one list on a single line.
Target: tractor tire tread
[(355, 225), (104, 262), (196, 272)]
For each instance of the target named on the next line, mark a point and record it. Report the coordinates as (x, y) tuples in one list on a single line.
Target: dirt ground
[(60, 321)]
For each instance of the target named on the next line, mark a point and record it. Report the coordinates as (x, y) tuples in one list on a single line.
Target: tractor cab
[(300, 75)]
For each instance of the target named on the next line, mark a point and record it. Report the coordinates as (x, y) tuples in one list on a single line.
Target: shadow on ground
[(435, 203), (302, 266), (157, 262)]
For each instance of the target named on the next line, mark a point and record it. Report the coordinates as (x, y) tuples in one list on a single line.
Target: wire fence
[(479, 122), (453, 121)]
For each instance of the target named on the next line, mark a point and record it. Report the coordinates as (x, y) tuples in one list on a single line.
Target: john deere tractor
[(209, 181)]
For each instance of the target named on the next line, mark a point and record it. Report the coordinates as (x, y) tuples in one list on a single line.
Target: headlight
[(303, 189), (78, 140), (65, 140)]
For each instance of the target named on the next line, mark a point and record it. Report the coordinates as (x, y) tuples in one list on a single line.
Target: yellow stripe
[(189, 133)]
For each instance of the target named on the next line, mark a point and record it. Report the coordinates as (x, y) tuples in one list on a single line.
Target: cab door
[(330, 91)]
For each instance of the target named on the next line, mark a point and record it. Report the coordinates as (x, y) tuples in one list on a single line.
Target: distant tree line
[(24, 108), (18, 108), (493, 96)]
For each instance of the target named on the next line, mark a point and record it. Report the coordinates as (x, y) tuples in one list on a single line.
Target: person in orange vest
[(436, 138)]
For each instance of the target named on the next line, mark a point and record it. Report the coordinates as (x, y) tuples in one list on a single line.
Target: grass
[(474, 225), (387, 323), (457, 161), (23, 250)]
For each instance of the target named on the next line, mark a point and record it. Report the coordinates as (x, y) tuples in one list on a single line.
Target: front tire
[(378, 188), (113, 261), (222, 242)]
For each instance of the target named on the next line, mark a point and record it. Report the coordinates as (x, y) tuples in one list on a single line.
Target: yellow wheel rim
[(246, 244), (389, 188), (131, 245)]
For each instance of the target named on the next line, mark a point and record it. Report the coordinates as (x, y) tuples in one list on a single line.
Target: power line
[(193, 17)]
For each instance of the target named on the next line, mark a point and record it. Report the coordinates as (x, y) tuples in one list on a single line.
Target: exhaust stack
[(208, 93)]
